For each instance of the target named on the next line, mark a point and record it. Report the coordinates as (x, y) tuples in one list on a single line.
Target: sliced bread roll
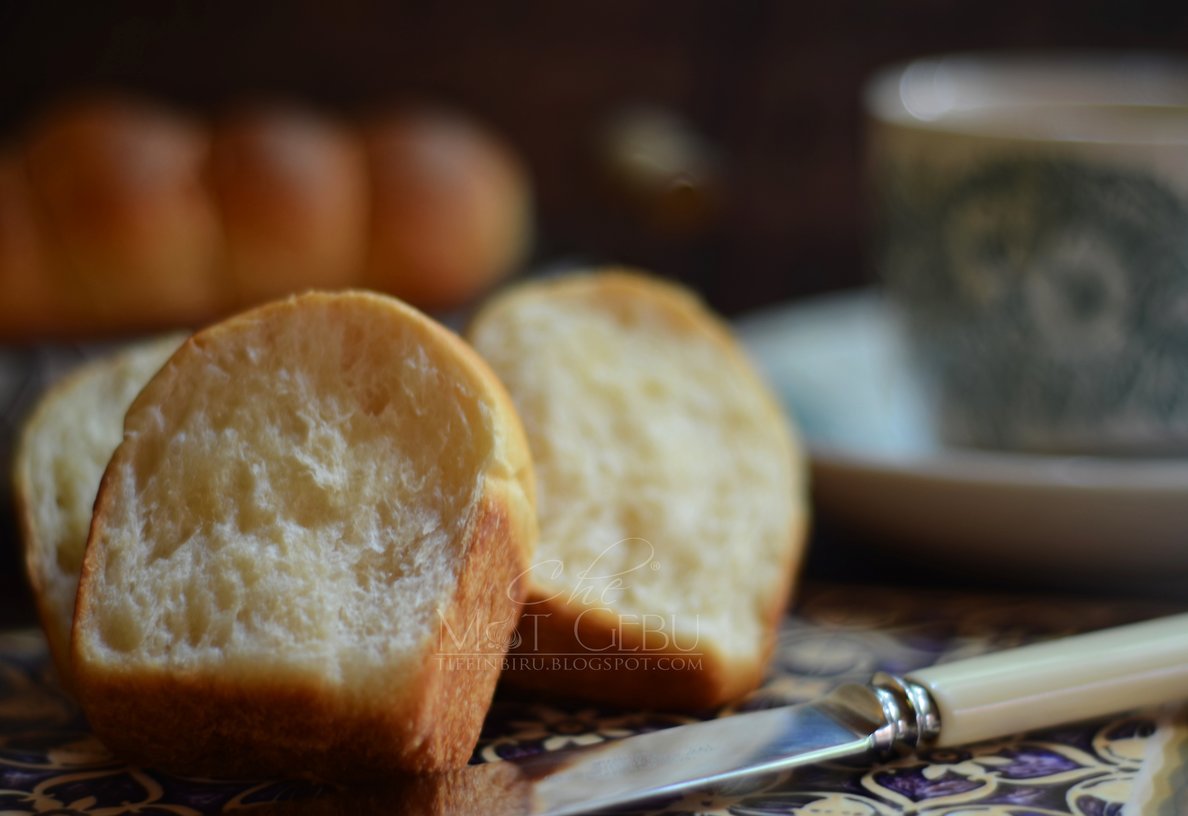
[(671, 492), (304, 553), (63, 448)]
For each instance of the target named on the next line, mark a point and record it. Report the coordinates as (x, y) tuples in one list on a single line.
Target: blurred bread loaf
[(315, 506), (449, 208), (672, 500), (291, 189), (27, 306), (128, 225), (64, 446), (120, 215)]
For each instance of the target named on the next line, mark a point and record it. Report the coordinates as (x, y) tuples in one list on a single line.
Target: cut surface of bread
[(314, 523), (671, 496), (64, 446)]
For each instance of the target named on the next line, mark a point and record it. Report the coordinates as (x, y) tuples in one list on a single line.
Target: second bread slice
[(304, 553), (64, 447), (672, 498)]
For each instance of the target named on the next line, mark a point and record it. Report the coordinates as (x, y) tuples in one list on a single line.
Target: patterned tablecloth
[(1124, 766)]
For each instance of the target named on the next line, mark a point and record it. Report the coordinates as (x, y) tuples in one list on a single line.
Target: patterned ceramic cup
[(1031, 218)]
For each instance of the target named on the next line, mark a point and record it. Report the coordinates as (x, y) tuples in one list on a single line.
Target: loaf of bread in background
[(304, 554), (291, 188), (64, 446), (131, 235), (31, 303), (450, 213), (120, 215), (672, 496)]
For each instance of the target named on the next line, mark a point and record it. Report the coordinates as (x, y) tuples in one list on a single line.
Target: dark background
[(772, 88)]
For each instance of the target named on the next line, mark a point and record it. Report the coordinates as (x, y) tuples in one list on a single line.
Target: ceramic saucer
[(840, 366)]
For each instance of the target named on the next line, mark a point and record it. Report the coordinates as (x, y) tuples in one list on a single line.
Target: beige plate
[(841, 368)]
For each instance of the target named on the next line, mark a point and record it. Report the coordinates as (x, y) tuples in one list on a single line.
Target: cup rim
[(932, 92)]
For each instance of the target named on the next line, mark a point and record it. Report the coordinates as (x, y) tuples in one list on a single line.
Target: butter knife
[(990, 696)]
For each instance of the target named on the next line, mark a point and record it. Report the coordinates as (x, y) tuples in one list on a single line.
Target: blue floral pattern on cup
[(1047, 299)]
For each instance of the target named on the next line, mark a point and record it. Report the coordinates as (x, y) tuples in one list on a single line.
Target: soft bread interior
[(290, 500), (65, 445), (670, 488)]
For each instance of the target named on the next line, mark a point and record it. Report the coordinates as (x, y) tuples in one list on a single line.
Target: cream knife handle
[(1066, 680)]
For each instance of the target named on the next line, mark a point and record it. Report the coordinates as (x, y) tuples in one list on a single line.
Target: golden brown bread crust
[(593, 641), (201, 723), (490, 789), (670, 679), (554, 624)]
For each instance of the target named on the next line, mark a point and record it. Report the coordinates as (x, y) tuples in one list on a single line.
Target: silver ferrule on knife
[(899, 714)]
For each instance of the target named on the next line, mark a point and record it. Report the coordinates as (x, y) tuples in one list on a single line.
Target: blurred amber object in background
[(132, 238), (292, 193), (24, 279), (450, 208), (121, 216), (661, 170)]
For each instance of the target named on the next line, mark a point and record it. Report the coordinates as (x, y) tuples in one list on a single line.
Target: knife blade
[(990, 696)]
